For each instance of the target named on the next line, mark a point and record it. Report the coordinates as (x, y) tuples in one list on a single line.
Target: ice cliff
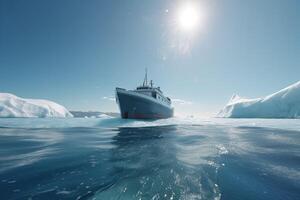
[(282, 104)]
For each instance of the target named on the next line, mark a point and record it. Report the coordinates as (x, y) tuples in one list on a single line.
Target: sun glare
[(187, 20), (188, 17)]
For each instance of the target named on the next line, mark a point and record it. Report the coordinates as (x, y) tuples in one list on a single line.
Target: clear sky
[(76, 52)]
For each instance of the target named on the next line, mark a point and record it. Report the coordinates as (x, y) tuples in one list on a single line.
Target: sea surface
[(179, 158)]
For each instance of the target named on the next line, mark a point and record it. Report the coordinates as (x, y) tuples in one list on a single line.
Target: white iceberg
[(13, 106), (282, 104), (104, 116)]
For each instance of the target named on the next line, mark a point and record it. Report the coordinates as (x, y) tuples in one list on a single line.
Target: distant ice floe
[(104, 116), (117, 122), (282, 104), (13, 106)]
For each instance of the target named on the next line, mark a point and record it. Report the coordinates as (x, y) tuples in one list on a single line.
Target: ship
[(145, 102)]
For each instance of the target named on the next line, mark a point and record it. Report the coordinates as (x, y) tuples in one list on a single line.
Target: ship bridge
[(154, 92)]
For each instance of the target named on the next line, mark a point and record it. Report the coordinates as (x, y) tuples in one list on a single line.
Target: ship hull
[(139, 106)]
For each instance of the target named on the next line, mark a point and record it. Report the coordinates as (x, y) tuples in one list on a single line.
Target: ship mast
[(145, 83)]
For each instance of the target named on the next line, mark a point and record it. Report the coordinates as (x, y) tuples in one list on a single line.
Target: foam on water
[(115, 122)]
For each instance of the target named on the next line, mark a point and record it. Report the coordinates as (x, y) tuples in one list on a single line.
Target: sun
[(188, 17), (187, 23)]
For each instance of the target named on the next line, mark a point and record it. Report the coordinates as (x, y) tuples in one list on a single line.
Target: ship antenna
[(146, 76)]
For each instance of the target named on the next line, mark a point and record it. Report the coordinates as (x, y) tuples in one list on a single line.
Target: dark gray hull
[(136, 106)]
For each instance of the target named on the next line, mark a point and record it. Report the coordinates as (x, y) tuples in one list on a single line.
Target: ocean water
[(175, 158)]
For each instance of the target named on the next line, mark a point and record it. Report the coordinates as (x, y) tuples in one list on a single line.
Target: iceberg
[(14, 106), (93, 114), (282, 104)]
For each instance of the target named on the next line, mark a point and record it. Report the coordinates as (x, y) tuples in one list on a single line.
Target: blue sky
[(76, 52)]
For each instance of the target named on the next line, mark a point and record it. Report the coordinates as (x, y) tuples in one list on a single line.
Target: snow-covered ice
[(13, 106), (282, 104)]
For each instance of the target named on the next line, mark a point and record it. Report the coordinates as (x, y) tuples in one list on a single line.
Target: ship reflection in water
[(146, 164), (162, 162)]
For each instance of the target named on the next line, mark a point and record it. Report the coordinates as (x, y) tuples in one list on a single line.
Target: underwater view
[(113, 158)]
